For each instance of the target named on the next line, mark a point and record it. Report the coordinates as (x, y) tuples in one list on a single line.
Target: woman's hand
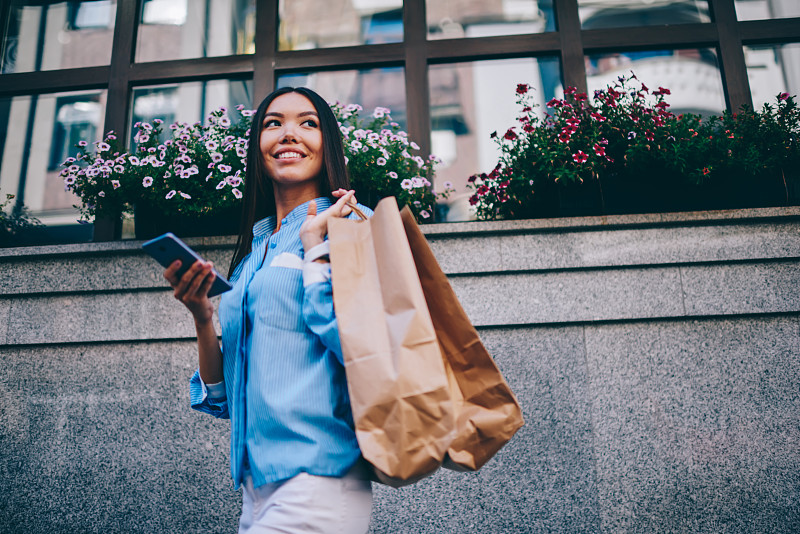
[(192, 288), (315, 227)]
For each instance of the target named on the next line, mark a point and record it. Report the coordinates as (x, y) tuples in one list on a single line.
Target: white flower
[(102, 147), (448, 185), (69, 180), (170, 194), (101, 194), (407, 184), (241, 152), (424, 214), (119, 168), (134, 160), (414, 145), (381, 161), (74, 168), (379, 113), (148, 181), (224, 168), (216, 157), (355, 145), (184, 195), (234, 181), (82, 143), (392, 174), (353, 107), (212, 145), (221, 184), (418, 182), (115, 183), (420, 161), (237, 193)]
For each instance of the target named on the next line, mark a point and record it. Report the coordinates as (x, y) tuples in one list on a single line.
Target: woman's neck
[(288, 198)]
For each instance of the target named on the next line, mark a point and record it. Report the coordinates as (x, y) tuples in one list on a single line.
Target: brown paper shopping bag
[(423, 389), (399, 390)]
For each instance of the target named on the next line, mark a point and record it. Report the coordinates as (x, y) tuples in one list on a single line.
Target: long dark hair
[(259, 198)]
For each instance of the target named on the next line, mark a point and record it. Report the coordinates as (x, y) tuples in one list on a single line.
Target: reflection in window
[(369, 88), (164, 12), (184, 29), (451, 19), (692, 75), (306, 24), (627, 13), (37, 133), (772, 70), (77, 118), (469, 101), (766, 9), (58, 35), (186, 102)]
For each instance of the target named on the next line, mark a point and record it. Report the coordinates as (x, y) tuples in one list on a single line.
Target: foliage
[(380, 162), (200, 169), (628, 137), (15, 221)]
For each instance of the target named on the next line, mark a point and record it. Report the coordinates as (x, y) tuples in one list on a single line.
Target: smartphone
[(167, 248)]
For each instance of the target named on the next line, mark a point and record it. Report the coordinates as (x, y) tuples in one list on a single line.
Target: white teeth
[(288, 155)]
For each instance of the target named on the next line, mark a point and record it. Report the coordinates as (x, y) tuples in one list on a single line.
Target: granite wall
[(656, 358)]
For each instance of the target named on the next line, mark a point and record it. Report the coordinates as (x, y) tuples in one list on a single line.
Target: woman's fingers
[(171, 273), (186, 280)]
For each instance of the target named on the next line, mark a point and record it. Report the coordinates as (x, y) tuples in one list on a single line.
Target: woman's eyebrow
[(281, 115)]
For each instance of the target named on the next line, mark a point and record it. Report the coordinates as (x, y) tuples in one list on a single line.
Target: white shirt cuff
[(314, 272), (216, 391)]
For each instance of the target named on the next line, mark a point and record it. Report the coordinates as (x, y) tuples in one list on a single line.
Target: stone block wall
[(656, 358)]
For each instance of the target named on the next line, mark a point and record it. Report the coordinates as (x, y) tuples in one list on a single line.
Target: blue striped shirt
[(285, 390)]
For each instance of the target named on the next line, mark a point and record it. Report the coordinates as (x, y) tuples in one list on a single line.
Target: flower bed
[(627, 152)]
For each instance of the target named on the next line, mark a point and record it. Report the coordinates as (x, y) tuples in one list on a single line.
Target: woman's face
[(291, 141)]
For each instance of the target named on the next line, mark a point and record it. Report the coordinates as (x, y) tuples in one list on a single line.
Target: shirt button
[(284, 221), (273, 244)]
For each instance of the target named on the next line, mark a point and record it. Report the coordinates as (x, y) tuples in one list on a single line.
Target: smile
[(289, 155)]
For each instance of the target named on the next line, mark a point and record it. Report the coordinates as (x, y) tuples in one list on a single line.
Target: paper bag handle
[(357, 211)]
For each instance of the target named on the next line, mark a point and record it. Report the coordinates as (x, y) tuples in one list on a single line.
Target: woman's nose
[(288, 134)]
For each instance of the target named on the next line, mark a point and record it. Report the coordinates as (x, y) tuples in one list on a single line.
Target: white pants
[(308, 503)]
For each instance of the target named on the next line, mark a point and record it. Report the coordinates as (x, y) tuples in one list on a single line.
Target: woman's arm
[(192, 290)]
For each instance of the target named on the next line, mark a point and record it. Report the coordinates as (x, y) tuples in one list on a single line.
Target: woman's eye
[(271, 122), (311, 122)]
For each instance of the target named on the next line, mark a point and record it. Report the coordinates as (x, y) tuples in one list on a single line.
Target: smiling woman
[(279, 375)]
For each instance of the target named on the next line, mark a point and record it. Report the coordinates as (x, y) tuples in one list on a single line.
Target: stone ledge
[(461, 228)]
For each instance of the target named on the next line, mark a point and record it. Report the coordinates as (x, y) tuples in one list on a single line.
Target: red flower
[(528, 127), (783, 96), (564, 136), (649, 135), (570, 90), (662, 91), (599, 149), (510, 135), (706, 171), (473, 200), (493, 135), (581, 97), (522, 88), (598, 117), (554, 103), (645, 89), (482, 190), (573, 121), (730, 135), (662, 105), (580, 157), (526, 109)]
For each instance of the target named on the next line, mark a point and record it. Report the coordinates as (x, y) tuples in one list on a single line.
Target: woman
[(279, 375)]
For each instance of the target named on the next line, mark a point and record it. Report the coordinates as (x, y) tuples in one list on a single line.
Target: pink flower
[(522, 88), (424, 214), (599, 149), (392, 174), (237, 193), (580, 157), (783, 96), (170, 194), (510, 135)]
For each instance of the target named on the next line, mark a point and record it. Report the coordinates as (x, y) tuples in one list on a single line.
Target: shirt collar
[(267, 225)]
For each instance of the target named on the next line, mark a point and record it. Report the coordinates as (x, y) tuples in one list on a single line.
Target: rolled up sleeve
[(208, 399)]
